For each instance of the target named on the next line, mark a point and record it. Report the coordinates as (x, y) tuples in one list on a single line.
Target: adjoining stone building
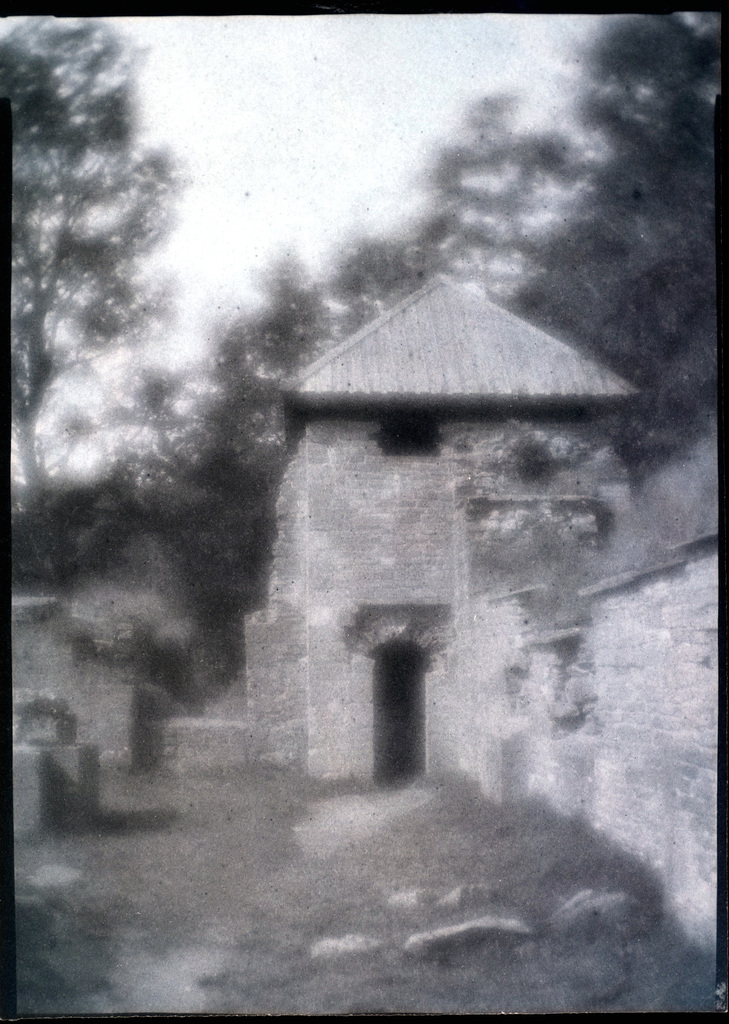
[(433, 605)]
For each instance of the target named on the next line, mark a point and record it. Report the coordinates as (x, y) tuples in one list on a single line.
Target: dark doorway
[(399, 712)]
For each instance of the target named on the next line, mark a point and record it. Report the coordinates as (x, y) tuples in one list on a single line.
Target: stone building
[(435, 603), (447, 456)]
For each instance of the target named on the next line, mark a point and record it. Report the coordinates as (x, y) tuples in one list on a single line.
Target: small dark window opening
[(409, 432), (534, 463), (515, 676), (567, 648), (399, 712)]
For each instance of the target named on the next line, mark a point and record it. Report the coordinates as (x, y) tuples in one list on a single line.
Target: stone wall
[(613, 719), (655, 648), (359, 527), (276, 636), (47, 661)]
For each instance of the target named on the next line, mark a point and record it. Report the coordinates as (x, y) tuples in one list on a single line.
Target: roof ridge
[(373, 325), (476, 292)]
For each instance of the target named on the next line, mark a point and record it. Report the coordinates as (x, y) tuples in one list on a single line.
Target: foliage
[(632, 270), (87, 206), (374, 273), (605, 235), (209, 482), (59, 532)]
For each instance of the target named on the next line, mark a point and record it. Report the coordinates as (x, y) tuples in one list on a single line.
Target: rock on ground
[(468, 897), (410, 899), (346, 944), (590, 911), (442, 939)]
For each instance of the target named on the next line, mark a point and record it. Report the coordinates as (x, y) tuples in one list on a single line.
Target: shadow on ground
[(116, 822), (212, 893)]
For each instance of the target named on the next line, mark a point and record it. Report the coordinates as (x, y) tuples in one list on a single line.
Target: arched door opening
[(399, 711)]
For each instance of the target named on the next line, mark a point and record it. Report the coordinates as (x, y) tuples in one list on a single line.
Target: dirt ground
[(209, 892)]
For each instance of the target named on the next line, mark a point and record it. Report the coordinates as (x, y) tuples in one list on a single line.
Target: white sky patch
[(296, 133)]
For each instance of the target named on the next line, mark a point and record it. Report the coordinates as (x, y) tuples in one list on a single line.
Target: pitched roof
[(448, 340)]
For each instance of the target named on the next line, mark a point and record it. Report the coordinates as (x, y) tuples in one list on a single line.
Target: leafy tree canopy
[(88, 205), (603, 234)]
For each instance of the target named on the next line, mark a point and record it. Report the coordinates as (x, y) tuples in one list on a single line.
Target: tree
[(603, 234), (208, 486), (643, 232), (87, 207), (495, 190), (376, 272), (606, 235)]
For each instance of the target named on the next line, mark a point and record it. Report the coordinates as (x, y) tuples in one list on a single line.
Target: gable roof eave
[(487, 352)]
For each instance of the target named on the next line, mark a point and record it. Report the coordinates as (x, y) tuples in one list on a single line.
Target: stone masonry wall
[(98, 693), (359, 527), (613, 720), (655, 651), (276, 636)]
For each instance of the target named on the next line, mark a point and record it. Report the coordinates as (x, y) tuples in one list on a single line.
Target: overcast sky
[(297, 132)]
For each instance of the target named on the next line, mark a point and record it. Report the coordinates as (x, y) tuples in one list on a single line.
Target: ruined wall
[(45, 661), (276, 636), (360, 527), (613, 719), (522, 699), (478, 717), (621, 726)]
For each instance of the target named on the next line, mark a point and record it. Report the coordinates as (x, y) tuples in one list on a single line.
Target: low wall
[(46, 661)]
